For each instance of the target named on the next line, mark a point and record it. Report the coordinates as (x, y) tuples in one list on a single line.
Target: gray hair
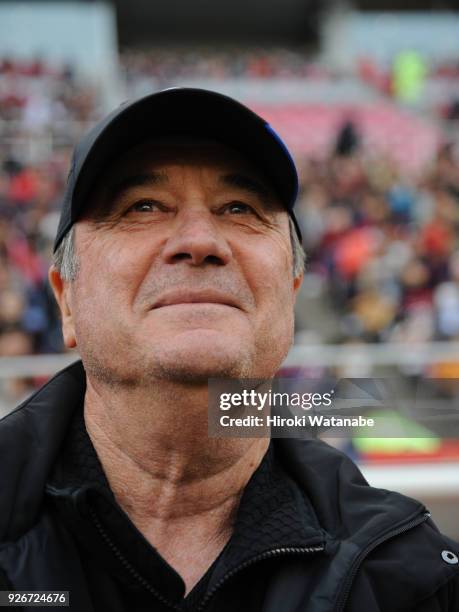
[(66, 261), (299, 256)]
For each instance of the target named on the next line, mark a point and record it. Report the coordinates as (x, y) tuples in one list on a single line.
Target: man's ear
[(297, 282), (61, 290)]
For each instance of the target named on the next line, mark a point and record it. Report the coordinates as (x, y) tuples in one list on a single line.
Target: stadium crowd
[(384, 245)]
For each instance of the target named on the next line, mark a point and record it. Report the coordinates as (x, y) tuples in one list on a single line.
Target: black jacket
[(328, 543)]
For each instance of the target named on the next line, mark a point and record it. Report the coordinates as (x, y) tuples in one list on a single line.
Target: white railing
[(396, 354)]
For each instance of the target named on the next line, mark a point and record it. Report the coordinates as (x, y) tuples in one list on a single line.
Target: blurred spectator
[(348, 139), (13, 343)]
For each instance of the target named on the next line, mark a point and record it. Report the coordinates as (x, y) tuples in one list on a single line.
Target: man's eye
[(145, 206), (238, 208)]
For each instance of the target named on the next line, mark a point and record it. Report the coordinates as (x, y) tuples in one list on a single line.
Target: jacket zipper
[(269, 554), (126, 564), (342, 598)]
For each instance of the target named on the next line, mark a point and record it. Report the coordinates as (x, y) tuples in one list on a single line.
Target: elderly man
[(177, 259)]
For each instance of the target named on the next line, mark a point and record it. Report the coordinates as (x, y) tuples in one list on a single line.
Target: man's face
[(185, 269)]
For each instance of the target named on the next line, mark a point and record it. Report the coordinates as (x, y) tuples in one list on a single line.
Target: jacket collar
[(30, 439)]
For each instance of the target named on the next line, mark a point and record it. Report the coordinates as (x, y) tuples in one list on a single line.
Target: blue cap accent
[(288, 155)]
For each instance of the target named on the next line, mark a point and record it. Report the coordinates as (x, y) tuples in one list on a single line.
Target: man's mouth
[(195, 297)]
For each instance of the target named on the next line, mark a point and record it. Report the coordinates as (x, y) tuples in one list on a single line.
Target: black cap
[(177, 112)]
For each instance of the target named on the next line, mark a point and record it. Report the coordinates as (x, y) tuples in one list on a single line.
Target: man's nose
[(197, 239)]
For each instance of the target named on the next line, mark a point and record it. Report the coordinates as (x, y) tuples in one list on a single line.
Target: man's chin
[(199, 375), (198, 361)]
